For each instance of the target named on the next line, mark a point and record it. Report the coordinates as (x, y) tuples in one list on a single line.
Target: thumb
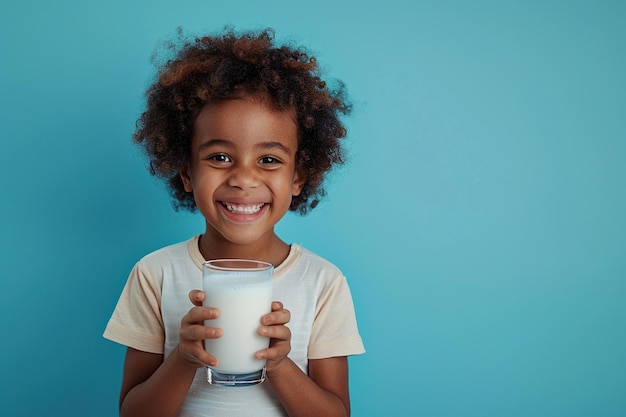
[(196, 297)]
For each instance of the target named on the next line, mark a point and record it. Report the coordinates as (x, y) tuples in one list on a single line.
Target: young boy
[(242, 131)]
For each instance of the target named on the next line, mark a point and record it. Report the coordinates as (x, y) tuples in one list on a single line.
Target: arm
[(154, 387), (324, 392)]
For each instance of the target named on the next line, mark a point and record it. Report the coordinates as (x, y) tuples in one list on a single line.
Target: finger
[(204, 357), (198, 332), (275, 352), (275, 332), (199, 314), (196, 297), (281, 316), (197, 355), (277, 305)]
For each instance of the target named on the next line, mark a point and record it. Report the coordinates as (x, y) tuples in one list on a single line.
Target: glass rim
[(241, 265)]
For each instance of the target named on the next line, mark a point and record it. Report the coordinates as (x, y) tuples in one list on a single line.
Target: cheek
[(203, 186), (288, 189)]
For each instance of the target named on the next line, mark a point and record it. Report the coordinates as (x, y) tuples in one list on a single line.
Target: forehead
[(245, 119)]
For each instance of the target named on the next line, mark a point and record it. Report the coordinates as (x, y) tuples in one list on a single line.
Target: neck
[(272, 249)]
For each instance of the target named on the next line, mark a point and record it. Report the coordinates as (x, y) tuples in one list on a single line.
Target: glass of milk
[(242, 290)]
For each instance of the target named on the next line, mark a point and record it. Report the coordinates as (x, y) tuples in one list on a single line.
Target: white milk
[(242, 302)]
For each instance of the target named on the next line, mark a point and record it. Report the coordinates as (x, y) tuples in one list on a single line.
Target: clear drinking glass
[(242, 290)]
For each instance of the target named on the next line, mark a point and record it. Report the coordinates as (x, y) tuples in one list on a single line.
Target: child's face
[(243, 168)]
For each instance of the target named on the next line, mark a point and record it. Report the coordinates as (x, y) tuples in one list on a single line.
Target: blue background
[(480, 221)]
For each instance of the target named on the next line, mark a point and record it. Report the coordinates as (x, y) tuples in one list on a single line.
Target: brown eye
[(219, 157), (269, 160)]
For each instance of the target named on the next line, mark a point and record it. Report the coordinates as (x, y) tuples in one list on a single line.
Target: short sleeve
[(335, 331), (136, 321)]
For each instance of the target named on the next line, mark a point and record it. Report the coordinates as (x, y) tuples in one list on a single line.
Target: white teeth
[(243, 209)]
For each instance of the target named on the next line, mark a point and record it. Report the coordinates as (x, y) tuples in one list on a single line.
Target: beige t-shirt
[(156, 297)]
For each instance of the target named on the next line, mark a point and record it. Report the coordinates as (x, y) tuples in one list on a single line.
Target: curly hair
[(217, 68)]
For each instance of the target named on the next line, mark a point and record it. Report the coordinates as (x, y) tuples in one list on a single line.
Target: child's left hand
[(273, 326)]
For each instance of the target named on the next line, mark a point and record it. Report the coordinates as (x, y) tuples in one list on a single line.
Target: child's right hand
[(193, 332)]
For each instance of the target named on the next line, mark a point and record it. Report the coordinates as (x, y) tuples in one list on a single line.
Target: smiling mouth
[(243, 208)]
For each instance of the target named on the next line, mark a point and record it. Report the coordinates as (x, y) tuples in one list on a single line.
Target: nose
[(243, 177)]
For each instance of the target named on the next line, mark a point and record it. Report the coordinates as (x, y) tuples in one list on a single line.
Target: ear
[(298, 182), (185, 176)]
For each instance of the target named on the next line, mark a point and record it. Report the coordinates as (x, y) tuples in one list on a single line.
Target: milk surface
[(242, 301)]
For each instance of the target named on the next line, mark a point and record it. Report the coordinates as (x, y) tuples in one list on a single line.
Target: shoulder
[(309, 268), (307, 258), (166, 261), (169, 254)]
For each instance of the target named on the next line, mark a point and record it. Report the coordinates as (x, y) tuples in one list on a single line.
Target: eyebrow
[(215, 142), (274, 145), (228, 144)]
